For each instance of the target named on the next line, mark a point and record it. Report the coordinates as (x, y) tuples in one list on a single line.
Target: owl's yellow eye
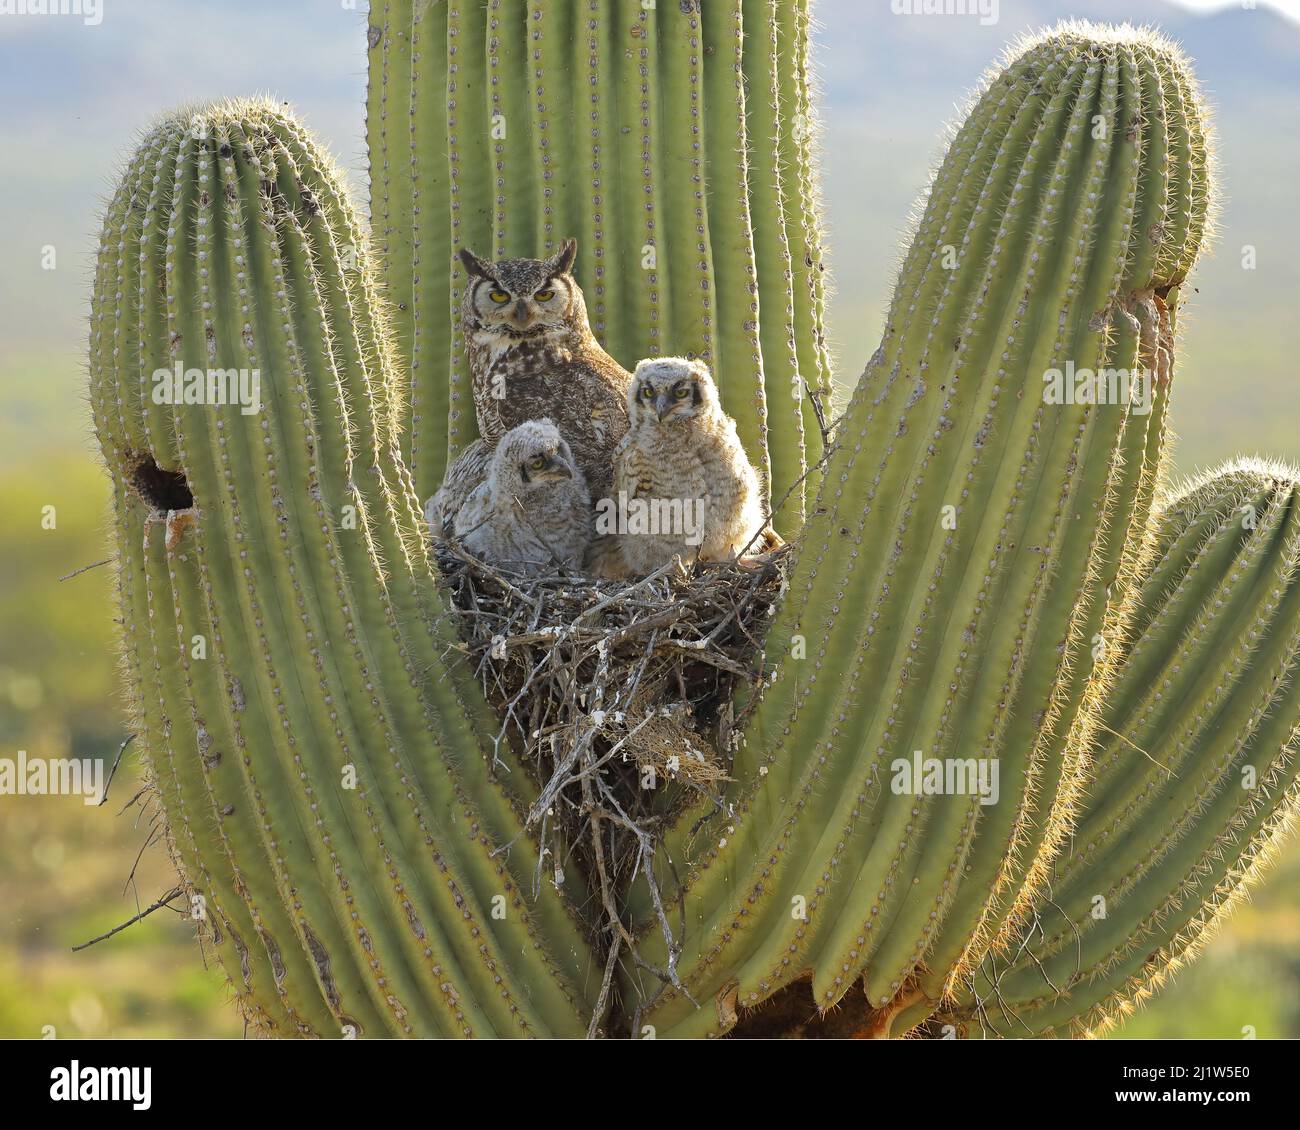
[(498, 296), (544, 295), (537, 462), (646, 392), (681, 392)]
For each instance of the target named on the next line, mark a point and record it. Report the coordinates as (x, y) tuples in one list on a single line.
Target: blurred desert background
[(74, 97)]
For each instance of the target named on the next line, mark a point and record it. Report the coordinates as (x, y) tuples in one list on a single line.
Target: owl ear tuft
[(474, 265), (562, 261)]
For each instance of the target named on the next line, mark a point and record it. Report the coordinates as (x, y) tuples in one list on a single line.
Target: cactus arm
[(173, 322), (390, 905), (232, 796), (1160, 240), (1010, 840), (121, 303), (294, 593), (1038, 311), (1174, 827), (1041, 592)]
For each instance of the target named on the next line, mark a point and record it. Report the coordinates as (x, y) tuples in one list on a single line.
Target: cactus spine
[(322, 755), (674, 140)]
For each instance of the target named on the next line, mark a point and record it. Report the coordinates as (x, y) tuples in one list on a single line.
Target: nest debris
[(618, 696)]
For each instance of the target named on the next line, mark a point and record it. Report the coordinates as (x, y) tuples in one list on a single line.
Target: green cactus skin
[(1196, 777), (968, 642), (230, 244), (510, 125)]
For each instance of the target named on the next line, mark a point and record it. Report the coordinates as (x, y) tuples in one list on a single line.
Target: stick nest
[(619, 697)]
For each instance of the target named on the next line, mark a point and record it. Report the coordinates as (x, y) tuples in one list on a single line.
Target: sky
[(1289, 8)]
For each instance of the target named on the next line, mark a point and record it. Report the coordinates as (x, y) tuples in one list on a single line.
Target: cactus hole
[(161, 489)]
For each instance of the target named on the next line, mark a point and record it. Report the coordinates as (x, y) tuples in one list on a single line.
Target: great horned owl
[(533, 513), (682, 480), (532, 354)]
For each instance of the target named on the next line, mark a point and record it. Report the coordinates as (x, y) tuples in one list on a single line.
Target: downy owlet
[(533, 512), (681, 477), (532, 355)]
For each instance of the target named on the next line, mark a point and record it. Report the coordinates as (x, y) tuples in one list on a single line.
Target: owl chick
[(533, 512), (468, 471), (532, 354), (682, 480)]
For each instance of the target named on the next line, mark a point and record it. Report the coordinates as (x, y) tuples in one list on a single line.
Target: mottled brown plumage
[(532, 354)]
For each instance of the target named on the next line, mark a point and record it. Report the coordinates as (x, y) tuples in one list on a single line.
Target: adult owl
[(533, 512), (532, 354), (682, 481)]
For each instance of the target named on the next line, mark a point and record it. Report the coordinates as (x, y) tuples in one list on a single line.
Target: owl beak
[(558, 468), (520, 314), (664, 406)]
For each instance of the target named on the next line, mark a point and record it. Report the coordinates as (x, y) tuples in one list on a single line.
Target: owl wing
[(633, 471), (476, 513), (607, 383), (463, 478)]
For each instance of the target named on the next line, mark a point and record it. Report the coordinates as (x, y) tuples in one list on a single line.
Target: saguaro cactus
[(975, 580)]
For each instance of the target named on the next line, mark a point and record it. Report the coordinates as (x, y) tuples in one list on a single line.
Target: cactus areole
[(995, 623)]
